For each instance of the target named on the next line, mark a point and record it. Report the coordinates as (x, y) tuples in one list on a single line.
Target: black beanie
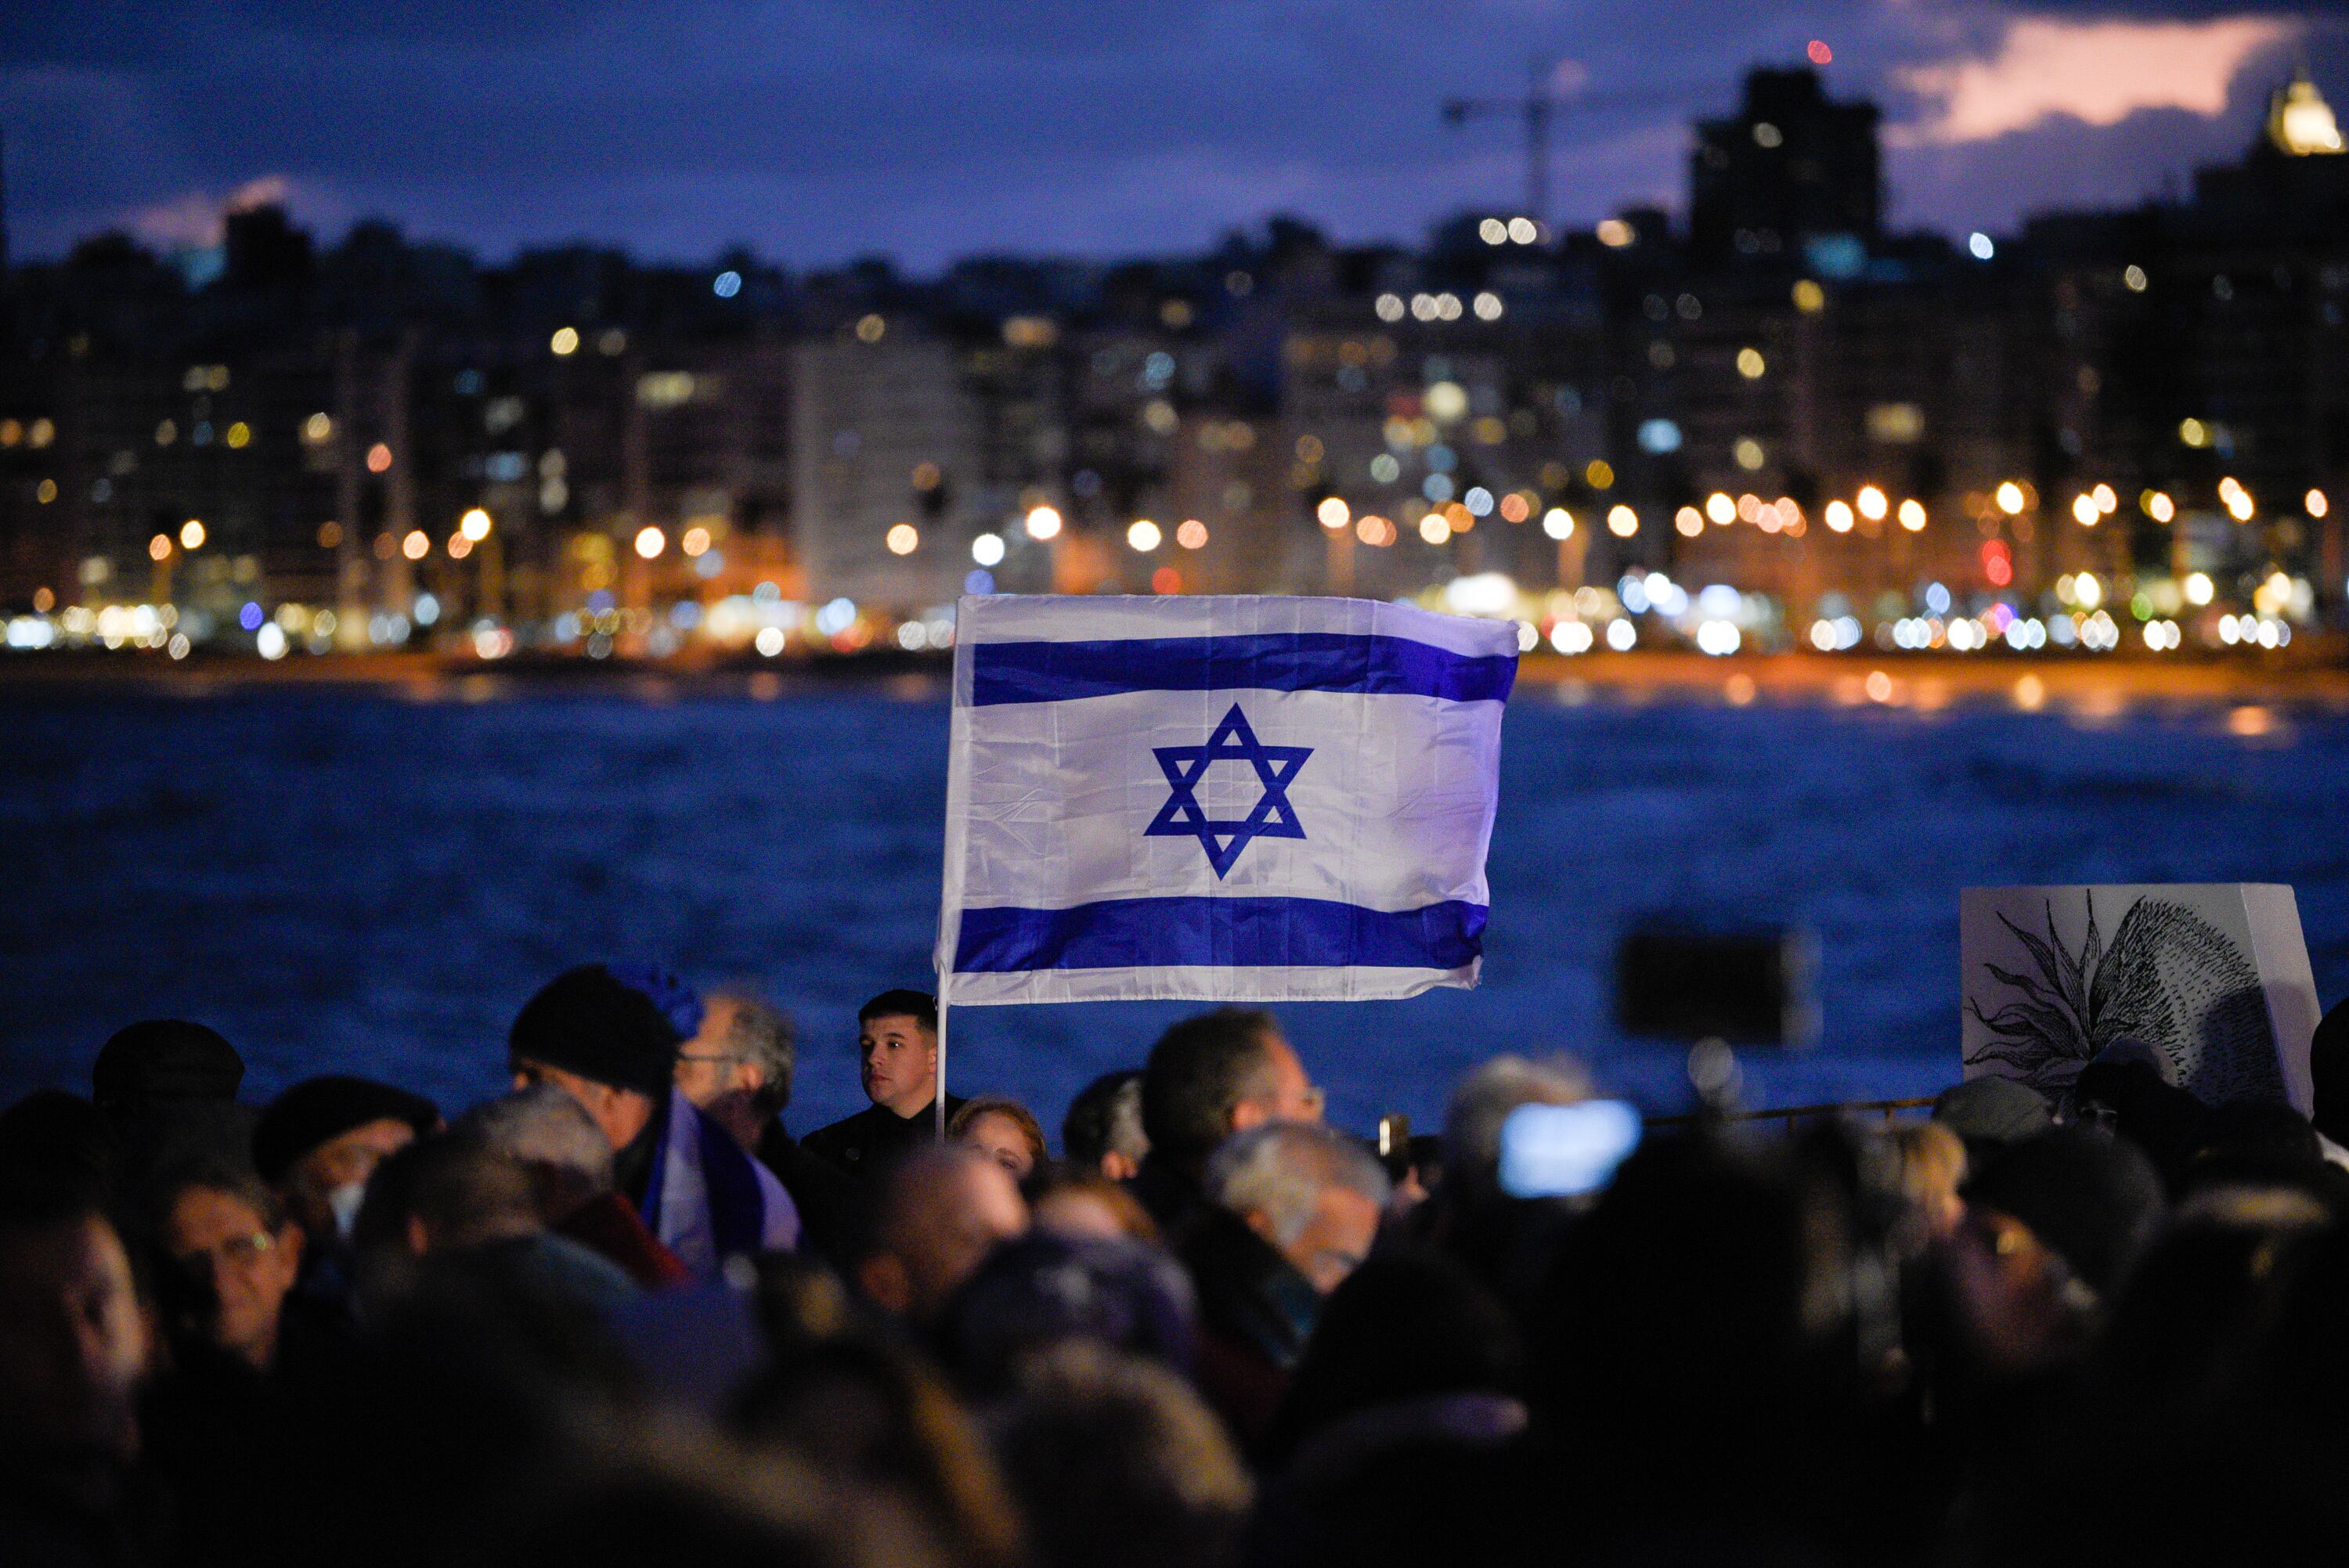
[(588, 1022), (164, 1060), (318, 1109), (2089, 1197)]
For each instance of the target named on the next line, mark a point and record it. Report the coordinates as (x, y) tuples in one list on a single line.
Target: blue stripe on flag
[(1280, 661), (1141, 933)]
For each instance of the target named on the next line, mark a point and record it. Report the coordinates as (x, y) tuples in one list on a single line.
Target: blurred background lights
[(1192, 534), (1980, 246), (1332, 512), (416, 545), (727, 284), (988, 549), (474, 525), (1622, 522), (565, 343), (651, 542), (903, 538), (1144, 535), (192, 534), (1044, 522)]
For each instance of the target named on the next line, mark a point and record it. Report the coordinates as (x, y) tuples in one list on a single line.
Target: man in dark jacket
[(897, 1037), (1209, 1077), (1293, 1209)]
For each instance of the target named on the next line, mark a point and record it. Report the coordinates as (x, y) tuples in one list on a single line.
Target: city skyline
[(813, 139)]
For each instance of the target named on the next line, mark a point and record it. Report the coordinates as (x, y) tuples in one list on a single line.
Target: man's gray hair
[(1279, 1170), (543, 1126), (760, 1034), (1472, 1125)]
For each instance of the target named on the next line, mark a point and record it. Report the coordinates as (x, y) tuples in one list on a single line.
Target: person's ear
[(882, 1276), (1259, 1221), (290, 1240)]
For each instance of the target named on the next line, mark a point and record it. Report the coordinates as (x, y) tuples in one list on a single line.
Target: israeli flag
[(1224, 798)]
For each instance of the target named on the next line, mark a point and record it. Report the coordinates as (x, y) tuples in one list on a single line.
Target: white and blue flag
[(1224, 798)]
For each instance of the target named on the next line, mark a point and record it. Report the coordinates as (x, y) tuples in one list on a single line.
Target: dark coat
[(875, 1137)]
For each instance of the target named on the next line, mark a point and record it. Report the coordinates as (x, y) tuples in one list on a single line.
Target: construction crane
[(1536, 107)]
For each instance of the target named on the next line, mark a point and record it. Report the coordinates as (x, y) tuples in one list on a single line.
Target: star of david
[(1185, 766)]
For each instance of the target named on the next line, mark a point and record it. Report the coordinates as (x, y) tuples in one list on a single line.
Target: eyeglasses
[(714, 1057), (240, 1251)]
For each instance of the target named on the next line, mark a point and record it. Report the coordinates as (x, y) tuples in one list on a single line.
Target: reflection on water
[(373, 881)]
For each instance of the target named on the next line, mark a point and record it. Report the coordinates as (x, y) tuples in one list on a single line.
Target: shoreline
[(1853, 679)]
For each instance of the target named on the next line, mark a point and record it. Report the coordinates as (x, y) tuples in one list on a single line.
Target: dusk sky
[(817, 132)]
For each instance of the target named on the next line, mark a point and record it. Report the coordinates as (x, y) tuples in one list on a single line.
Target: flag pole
[(938, 1089)]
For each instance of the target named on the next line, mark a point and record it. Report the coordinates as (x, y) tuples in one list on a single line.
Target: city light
[(1434, 528), (1042, 522), (1980, 246), (1558, 523), (1191, 534), (1375, 530), (2200, 590), (459, 546), (565, 343), (2314, 503), (651, 542), (192, 534), (696, 542), (2133, 278), (2086, 589), (1143, 536), (316, 429), (1389, 307), (726, 285), (1614, 233), (1818, 52), (870, 328), (2106, 501), (416, 545), (160, 547), (2158, 506), (1809, 297), (1838, 516), (988, 549), (1688, 523), (2009, 497), (1487, 306), (1622, 522), (2194, 432), (903, 538), (474, 525), (1912, 515), (1333, 512), (1720, 508), (1749, 363), (379, 459), (238, 435), (1871, 503), (2084, 507)]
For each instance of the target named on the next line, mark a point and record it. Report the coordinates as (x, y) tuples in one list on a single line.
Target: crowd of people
[(621, 1316)]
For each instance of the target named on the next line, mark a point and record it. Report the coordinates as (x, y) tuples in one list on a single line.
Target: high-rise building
[(1793, 174)]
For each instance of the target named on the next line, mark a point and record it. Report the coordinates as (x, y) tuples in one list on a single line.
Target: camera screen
[(1565, 1151)]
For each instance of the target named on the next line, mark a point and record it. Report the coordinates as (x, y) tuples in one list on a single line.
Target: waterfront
[(373, 877)]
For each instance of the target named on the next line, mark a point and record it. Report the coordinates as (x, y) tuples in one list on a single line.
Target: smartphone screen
[(1565, 1151)]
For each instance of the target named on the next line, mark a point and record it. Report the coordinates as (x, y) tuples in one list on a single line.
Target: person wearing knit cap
[(607, 1035), (162, 1061), (319, 1141)]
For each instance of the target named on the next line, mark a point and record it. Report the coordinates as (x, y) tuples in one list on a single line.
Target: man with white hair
[(570, 1165), (1294, 1208)]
